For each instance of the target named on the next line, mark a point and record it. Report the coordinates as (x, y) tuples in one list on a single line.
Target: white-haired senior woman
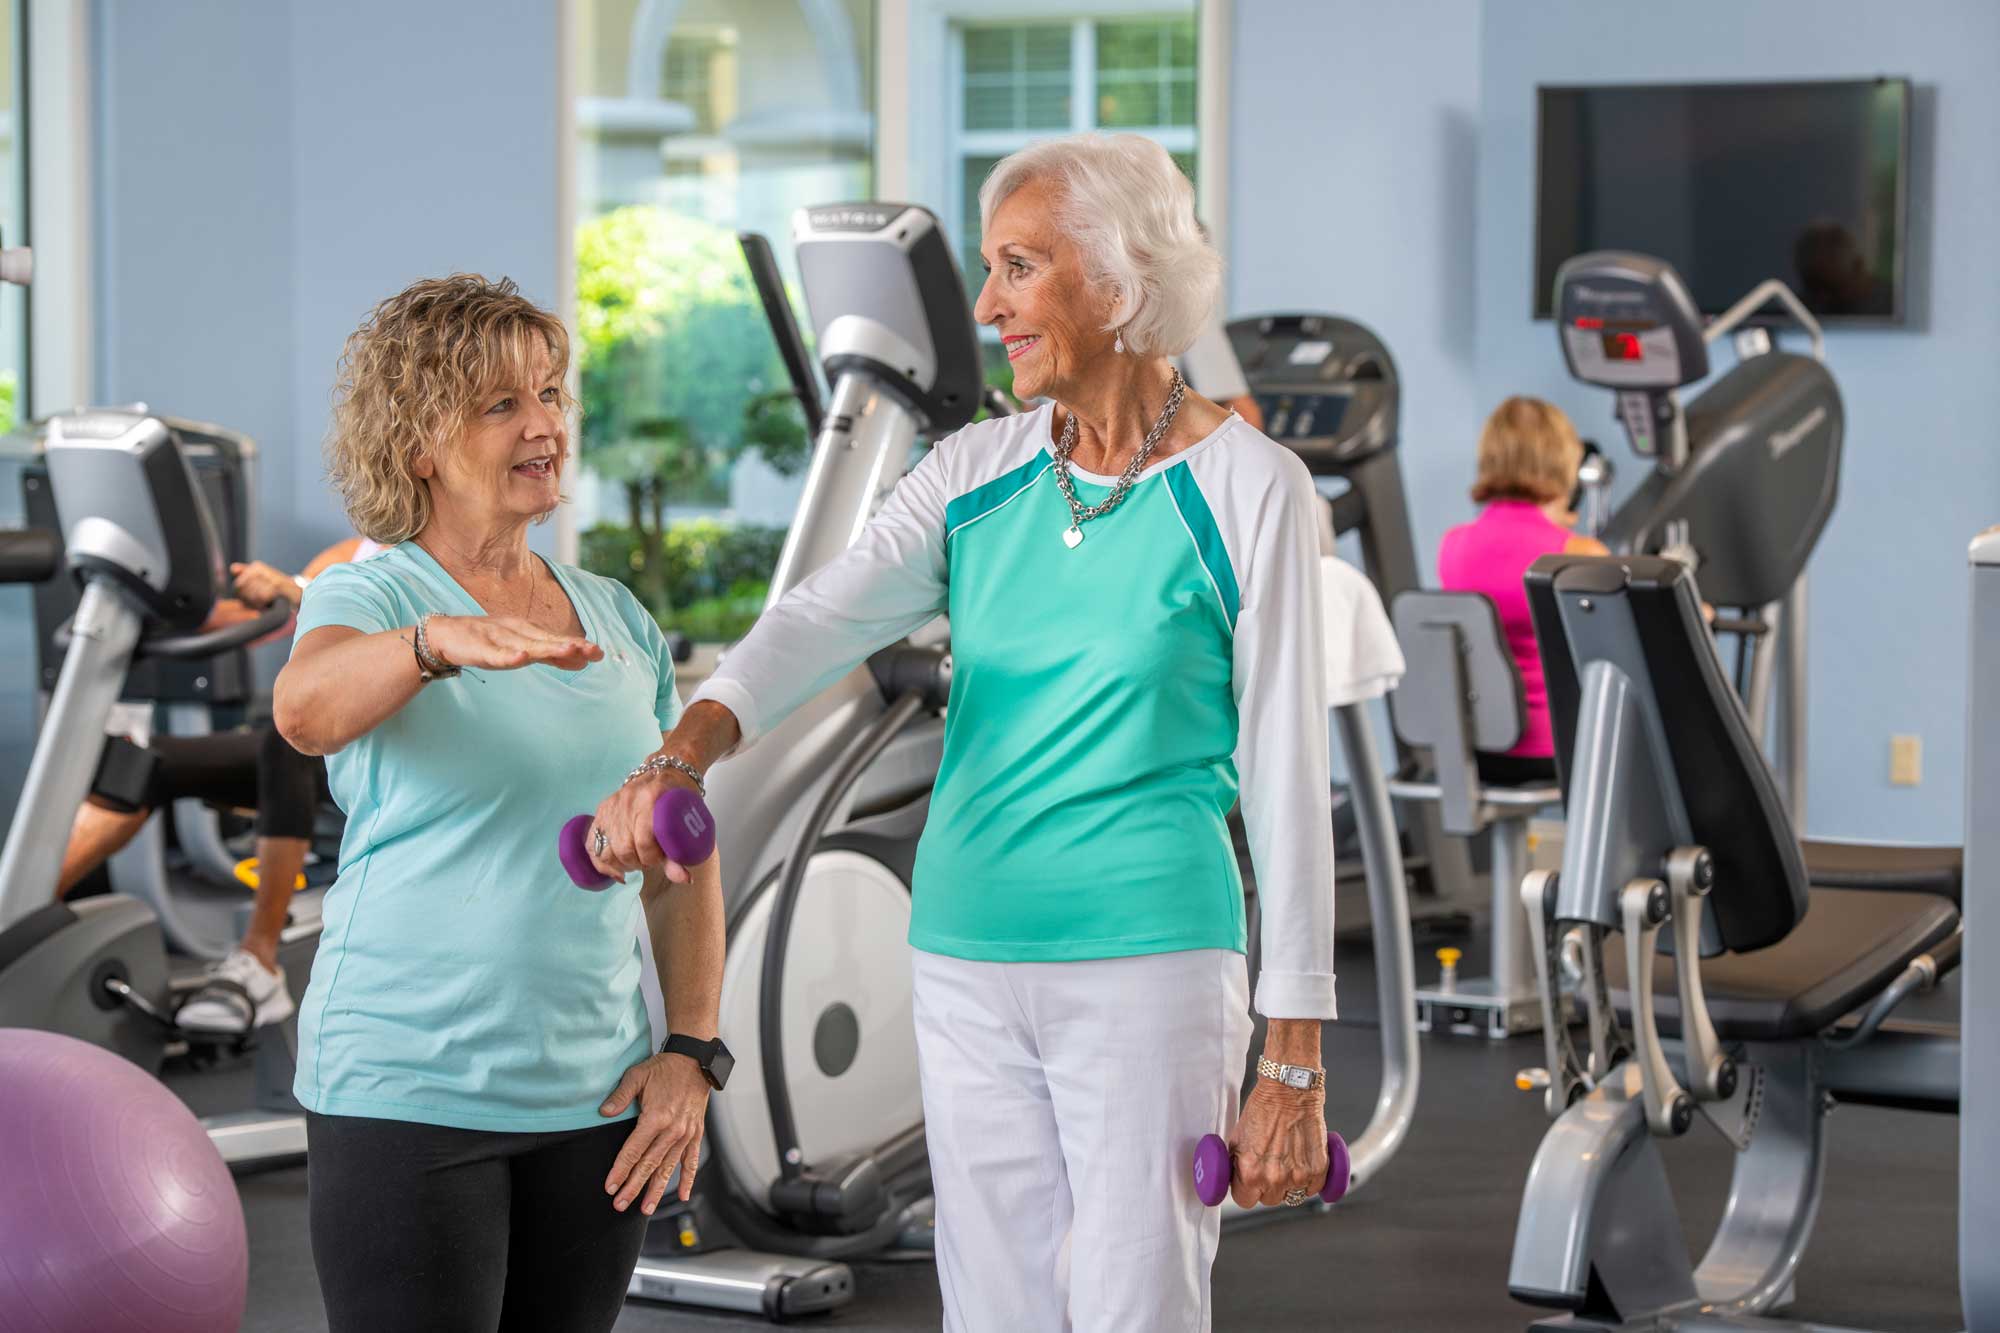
[(1132, 576)]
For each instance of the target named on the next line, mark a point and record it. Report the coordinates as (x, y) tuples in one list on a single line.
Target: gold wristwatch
[(1301, 1077)]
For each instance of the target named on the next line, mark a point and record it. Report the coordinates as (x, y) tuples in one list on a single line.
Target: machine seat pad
[(1876, 865), (1850, 946)]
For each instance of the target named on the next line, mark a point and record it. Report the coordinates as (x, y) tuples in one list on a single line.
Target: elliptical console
[(1751, 467)]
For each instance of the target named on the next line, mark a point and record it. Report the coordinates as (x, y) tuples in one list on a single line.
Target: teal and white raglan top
[(1109, 703)]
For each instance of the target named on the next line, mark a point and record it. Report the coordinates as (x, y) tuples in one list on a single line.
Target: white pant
[(1062, 1104)]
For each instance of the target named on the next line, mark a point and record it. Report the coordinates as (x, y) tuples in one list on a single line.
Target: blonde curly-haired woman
[(474, 1048)]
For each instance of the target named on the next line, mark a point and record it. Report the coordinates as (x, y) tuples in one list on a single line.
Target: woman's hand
[(504, 643), (1278, 1145), (625, 818), (259, 584), (673, 1099)]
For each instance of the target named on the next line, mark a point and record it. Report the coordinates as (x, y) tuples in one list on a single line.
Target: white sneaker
[(220, 1008)]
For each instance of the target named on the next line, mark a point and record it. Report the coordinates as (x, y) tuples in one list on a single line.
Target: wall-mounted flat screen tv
[(1733, 184)]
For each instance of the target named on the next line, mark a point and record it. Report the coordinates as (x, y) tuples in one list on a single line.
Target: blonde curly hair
[(411, 377)]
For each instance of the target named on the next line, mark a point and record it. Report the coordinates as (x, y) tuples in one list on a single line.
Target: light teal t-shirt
[(462, 979)]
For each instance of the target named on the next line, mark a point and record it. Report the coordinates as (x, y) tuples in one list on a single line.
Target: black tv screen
[(1733, 184)]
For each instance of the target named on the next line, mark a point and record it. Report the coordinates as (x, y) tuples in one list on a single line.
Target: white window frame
[(59, 205), (919, 108), (962, 143)]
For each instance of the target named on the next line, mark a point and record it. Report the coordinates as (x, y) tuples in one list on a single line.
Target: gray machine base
[(1475, 1009), (1690, 1323), (776, 1286)]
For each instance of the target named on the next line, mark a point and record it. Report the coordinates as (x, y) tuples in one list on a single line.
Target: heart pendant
[(1072, 537)]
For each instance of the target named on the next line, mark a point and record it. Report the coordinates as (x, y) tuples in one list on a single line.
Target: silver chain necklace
[(1080, 514)]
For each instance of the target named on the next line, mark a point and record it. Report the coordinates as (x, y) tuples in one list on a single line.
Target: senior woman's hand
[(705, 732), (625, 818), (1278, 1145), (673, 1101)]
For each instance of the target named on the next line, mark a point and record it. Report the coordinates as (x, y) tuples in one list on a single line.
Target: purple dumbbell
[(1211, 1169), (681, 825)]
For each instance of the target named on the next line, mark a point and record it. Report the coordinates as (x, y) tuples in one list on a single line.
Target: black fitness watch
[(713, 1057)]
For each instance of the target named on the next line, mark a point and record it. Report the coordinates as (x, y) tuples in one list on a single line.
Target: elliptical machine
[(817, 827), (1745, 476), (182, 863), (140, 540)]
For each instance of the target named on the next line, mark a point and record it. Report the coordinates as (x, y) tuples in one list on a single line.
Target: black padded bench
[(1807, 982)]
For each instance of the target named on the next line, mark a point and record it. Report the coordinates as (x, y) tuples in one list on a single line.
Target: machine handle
[(207, 643), (29, 555), (1760, 296), (770, 285)]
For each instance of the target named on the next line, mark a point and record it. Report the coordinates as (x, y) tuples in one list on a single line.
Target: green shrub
[(709, 581)]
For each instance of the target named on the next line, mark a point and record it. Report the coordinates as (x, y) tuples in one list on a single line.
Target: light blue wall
[(1383, 166), (1922, 472), (1353, 160), (425, 142), (192, 192), (1353, 134), (266, 172)]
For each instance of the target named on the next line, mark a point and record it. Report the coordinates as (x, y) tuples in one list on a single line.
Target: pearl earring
[(1118, 345)]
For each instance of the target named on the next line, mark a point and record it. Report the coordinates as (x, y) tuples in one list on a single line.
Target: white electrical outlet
[(1906, 761)]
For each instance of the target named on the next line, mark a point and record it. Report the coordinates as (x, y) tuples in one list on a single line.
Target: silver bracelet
[(430, 666), (660, 763)]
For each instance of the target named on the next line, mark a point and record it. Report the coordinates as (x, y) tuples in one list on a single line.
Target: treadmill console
[(1327, 386)]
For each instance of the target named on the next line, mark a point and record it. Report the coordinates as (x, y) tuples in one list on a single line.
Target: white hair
[(1130, 210)]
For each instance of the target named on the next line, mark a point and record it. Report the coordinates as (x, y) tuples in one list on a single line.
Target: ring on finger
[(1293, 1198), (599, 844)]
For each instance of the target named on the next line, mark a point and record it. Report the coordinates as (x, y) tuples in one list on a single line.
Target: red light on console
[(1589, 322), (1623, 347)]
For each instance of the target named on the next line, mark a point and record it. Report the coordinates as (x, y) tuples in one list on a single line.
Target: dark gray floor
[(1424, 1248)]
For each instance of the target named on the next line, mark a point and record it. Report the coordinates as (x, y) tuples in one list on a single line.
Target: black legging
[(435, 1230), (1516, 770), (254, 769)]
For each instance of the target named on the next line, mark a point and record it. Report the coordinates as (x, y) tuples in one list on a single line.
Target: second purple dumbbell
[(1211, 1169), (682, 826)]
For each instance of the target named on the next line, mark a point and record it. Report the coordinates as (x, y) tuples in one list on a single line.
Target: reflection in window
[(698, 120)]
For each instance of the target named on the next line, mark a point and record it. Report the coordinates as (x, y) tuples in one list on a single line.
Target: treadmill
[(1330, 393)]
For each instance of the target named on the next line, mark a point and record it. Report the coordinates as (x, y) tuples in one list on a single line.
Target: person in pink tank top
[(1528, 458)]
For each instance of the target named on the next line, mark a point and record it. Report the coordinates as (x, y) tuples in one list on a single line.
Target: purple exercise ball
[(117, 1213)]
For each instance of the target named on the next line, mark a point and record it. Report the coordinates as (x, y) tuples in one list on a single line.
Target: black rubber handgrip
[(207, 643), (29, 555)]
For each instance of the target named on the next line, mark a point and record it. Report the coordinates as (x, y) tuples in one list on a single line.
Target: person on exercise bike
[(1529, 454), (247, 769), (1132, 576), (474, 1152)]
